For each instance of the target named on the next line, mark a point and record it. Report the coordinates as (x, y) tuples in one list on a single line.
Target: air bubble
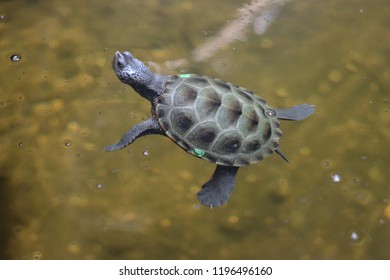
[(270, 113), (145, 153), (335, 178), (99, 186), (68, 143), (354, 236), (15, 57), (3, 17), (325, 163)]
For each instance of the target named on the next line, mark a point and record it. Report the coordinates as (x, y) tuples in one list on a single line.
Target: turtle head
[(133, 72)]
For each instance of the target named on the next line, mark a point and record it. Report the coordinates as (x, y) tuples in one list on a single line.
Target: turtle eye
[(121, 62)]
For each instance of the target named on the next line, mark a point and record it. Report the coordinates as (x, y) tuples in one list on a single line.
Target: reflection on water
[(60, 104)]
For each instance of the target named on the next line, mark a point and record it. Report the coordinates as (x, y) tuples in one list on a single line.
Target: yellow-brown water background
[(61, 197)]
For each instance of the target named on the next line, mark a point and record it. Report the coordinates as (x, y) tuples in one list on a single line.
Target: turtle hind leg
[(219, 188), (295, 113), (150, 126)]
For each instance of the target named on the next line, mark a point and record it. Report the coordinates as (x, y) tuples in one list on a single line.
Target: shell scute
[(203, 135), (186, 95), (228, 142), (207, 103), (182, 119), (230, 111), (251, 145), (222, 86), (198, 80), (248, 121)]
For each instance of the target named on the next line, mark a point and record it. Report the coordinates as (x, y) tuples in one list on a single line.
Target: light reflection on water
[(60, 104)]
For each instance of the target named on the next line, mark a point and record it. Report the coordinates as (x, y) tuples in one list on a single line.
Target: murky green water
[(60, 104)]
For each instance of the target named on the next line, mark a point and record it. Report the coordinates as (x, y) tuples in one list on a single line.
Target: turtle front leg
[(150, 126), (219, 188)]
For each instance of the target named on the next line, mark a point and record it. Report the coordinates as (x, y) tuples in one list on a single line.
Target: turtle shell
[(216, 120)]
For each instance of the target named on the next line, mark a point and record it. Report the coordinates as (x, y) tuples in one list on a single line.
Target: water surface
[(62, 197)]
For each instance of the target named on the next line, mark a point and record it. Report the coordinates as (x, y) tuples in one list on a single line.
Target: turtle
[(209, 118)]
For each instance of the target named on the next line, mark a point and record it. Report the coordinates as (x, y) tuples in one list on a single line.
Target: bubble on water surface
[(15, 57), (335, 177), (145, 152)]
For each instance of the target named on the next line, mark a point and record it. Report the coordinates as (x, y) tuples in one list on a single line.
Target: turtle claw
[(219, 188)]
